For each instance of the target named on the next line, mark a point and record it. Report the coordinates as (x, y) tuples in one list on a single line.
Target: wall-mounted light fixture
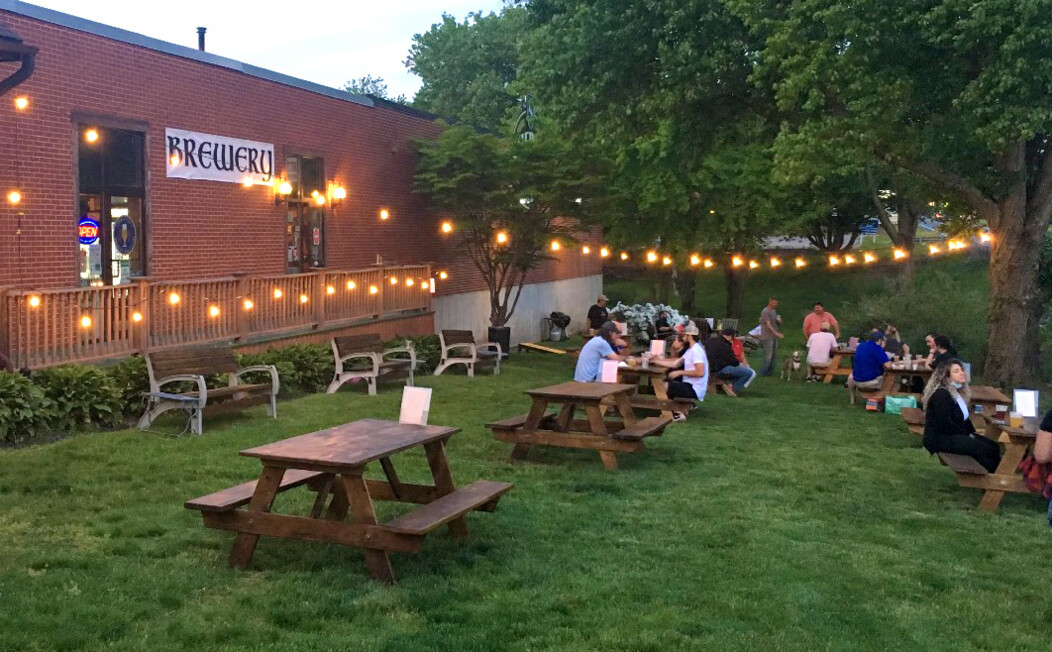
[(281, 192)]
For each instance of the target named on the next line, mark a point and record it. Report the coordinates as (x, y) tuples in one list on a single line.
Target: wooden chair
[(374, 361), (458, 347), (192, 365)]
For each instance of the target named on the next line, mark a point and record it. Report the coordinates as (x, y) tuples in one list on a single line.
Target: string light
[(737, 261), (666, 261), (304, 298), (174, 298), (85, 321), (502, 237), (586, 250), (373, 289), (624, 256), (136, 317), (555, 245), (174, 161), (898, 254), (14, 196), (394, 280), (868, 257), (278, 293), (320, 200), (443, 275), (985, 237), (409, 282), (424, 285), (213, 311), (247, 182), (21, 102), (652, 257), (330, 290), (694, 259), (384, 213), (34, 301), (447, 227), (350, 285), (933, 249), (833, 261), (753, 264), (91, 135), (708, 263), (604, 253), (849, 259), (775, 262), (800, 262), (249, 305)]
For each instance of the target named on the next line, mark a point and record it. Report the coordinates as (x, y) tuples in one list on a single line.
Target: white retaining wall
[(470, 310)]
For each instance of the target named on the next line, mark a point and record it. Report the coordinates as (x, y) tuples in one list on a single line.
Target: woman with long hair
[(947, 426)]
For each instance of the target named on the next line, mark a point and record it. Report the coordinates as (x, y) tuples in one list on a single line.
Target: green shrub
[(24, 409), (132, 381), (83, 396), (428, 351), (302, 368)]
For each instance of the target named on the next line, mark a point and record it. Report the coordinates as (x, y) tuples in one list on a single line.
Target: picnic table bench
[(332, 463), (192, 366), (657, 378), (1004, 479), (364, 356), (596, 432), (984, 397)]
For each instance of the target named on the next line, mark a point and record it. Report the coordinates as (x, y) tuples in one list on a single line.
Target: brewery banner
[(193, 155)]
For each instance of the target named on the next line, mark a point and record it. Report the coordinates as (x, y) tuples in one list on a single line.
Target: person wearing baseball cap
[(595, 350), (867, 370), (598, 315), (692, 381), (725, 361)]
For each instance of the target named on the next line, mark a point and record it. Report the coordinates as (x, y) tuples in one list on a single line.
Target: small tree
[(509, 200)]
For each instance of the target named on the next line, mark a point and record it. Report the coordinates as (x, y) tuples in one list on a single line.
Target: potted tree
[(514, 204)]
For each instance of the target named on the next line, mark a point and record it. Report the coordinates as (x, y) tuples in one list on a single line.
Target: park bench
[(458, 347), (374, 362), (192, 366), (914, 419)]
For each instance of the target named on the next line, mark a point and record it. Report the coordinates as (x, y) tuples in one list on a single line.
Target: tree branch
[(985, 205)]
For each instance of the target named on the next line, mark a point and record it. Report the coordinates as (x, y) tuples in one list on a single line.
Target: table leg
[(392, 477), (595, 420), (565, 417), (834, 364), (660, 385), (609, 459), (262, 499), (361, 504), (1013, 455), (439, 463), (533, 422), (624, 406), (338, 506), (889, 383)]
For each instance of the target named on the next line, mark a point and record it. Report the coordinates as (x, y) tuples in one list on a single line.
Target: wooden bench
[(962, 464), (647, 427), (914, 420), (192, 365), (481, 495), (458, 347), (651, 402), (239, 495), (375, 362)]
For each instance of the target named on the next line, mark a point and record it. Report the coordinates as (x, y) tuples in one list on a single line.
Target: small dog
[(791, 366)]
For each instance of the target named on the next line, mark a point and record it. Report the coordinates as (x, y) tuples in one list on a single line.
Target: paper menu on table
[(608, 371), (1024, 401), (657, 348), (852, 343)]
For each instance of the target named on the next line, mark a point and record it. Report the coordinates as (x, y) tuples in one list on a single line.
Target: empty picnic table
[(622, 434), (1006, 478), (333, 462), (657, 377), (836, 366), (988, 398)]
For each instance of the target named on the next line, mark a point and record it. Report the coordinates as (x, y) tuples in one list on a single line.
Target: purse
[(894, 404)]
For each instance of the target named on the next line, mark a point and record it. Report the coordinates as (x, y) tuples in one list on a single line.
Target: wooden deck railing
[(49, 327)]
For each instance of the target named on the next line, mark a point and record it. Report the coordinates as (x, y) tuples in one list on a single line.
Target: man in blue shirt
[(597, 349), (871, 360)]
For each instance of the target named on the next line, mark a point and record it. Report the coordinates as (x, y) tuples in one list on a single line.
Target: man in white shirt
[(692, 381), (820, 347)]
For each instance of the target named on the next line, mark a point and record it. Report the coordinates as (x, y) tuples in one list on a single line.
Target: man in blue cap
[(871, 360)]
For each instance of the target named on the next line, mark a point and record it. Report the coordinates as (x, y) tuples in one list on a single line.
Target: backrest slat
[(458, 337), (214, 360), (366, 343)]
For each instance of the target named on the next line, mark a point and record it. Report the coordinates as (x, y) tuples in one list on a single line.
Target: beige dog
[(791, 366)]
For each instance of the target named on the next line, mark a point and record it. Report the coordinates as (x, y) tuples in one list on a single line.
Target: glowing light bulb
[(708, 263), (898, 254), (624, 256), (174, 298), (502, 237), (868, 258), (339, 193), (753, 264), (174, 160), (586, 250), (443, 275), (330, 290), (249, 305), (213, 311), (278, 293), (21, 102), (737, 261), (350, 285), (285, 188), (384, 214), (34, 301), (800, 262), (652, 257), (91, 135), (85, 321), (933, 249), (320, 200), (136, 317), (424, 285), (14, 196), (834, 261), (555, 245), (304, 298), (695, 259), (604, 253), (849, 259), (394, 280), (409, 282), (666, 261), (248, 182), (447, 227), (373, 289), (775, 262), (985, 237)]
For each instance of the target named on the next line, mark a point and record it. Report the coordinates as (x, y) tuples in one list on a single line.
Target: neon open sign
[(87, 231)]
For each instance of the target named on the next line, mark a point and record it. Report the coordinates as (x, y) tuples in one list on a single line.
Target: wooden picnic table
[(901, 370), (835, 366), (333, 462), (622, 434), (657, 377), (989, 398), (1006, 478)]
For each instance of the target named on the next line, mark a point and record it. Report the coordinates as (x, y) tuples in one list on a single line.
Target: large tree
[(957, 92), (369, 85)]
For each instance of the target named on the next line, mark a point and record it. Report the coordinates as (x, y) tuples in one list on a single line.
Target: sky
[(325, 41)]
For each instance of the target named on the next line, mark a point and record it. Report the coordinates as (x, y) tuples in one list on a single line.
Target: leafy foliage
[(428, 351), (24, 409), (302, 368), (132, 381), (83, 396), (376, 86)]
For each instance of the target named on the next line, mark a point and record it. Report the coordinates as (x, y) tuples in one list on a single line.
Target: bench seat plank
[(962, 464), (648, 427), (236, 496), (428, 517)]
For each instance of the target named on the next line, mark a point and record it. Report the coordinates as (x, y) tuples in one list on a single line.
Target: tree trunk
[(1014, 308), (905, 236), (735, 284), (685, 282), (662, 285)]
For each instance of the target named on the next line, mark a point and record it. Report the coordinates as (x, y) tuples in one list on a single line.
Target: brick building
[(137, 157)]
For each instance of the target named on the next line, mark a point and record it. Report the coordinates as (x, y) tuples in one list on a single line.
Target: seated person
[(947, 424), (595, 350), (929, 341), (662, 329), (943, 351), (867, 371), (1043, 453), (739, 351), (694, 372), (726, 364), (893, 343), (820, 347)]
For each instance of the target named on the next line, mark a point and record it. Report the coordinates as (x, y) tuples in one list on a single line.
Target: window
[(111, 214), (305, 221)]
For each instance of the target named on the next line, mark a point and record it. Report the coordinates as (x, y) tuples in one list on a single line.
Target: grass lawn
[(784, 520)]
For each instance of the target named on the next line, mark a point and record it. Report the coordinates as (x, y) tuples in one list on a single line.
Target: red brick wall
[(207, 228)]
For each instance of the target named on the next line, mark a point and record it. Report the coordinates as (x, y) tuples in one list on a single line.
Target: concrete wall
[(470, 310)]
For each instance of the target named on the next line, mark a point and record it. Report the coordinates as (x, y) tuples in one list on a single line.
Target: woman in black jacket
[(947, 427)]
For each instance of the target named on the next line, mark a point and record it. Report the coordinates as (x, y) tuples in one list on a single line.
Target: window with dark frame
[(305, 221), (111, 219)]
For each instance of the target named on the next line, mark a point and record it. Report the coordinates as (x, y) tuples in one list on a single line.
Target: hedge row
[(79, 397)]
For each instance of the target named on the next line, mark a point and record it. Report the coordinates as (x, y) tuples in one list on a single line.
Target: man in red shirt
[(813, 321)]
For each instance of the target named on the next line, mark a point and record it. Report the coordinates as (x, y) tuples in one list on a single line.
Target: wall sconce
[(282, 192), (336, 193), (21, 102)]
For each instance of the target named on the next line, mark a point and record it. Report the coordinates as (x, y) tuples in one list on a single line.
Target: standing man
[(770, 323), (598, 315), (813, 321)]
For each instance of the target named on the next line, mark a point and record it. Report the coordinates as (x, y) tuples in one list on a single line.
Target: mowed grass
[(782, 520)]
